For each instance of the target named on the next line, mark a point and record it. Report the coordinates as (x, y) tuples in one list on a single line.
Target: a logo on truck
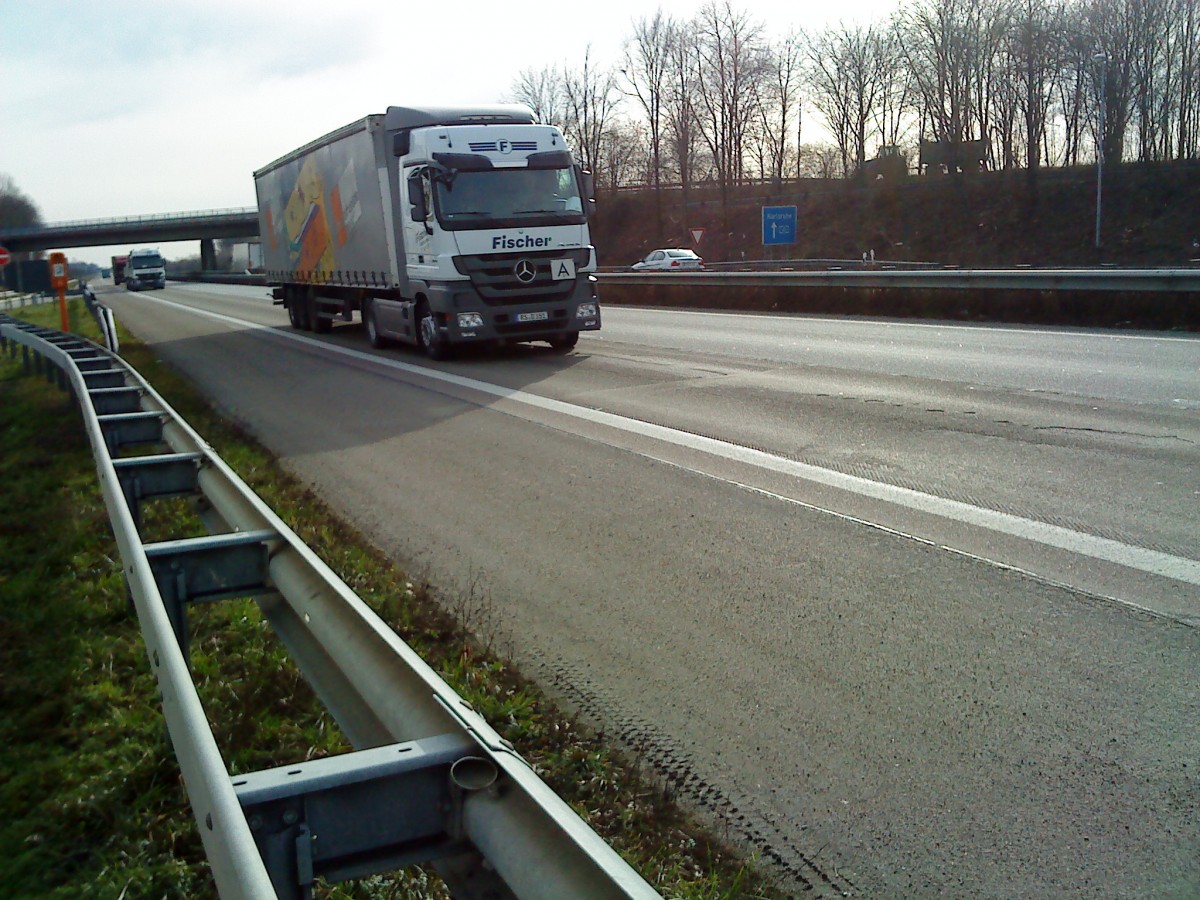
[(525, 271), (525, 242), (504, 147)]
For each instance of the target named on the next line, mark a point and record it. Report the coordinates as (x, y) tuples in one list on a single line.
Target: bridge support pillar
[(208, 255)]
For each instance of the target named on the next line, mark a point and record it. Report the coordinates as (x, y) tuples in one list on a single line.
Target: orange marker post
[(58, 281)]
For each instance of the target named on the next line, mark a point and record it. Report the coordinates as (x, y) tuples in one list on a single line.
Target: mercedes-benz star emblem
[(525, 271)]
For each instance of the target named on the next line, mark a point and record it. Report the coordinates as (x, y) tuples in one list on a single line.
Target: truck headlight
[(470, 320), (586, 311)]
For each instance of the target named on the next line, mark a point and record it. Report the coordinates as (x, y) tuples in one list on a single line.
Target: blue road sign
[(779, 224)]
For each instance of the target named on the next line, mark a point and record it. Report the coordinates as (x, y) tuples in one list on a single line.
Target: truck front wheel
[(427, 335), (566, 343), (371, 326)]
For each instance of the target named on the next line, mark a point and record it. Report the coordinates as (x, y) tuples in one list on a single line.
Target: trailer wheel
[(566, 343), (316, 321), (293, 311), (371, 325), (298, 309), (427, 337)]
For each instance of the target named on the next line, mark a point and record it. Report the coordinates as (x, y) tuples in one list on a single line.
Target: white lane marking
[(1140, 558)]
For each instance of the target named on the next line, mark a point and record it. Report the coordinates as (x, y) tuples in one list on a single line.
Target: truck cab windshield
[(507, 198), (145, 262)]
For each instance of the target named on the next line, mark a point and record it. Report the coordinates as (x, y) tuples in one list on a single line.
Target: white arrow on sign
[(697, 234)]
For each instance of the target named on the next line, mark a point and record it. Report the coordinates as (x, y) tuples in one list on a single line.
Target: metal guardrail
[(1129, 280), (10, 300), (852, 274), (430, 780)]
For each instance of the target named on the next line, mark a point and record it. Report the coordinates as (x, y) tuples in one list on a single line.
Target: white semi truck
[(439, 227), (144, 268)]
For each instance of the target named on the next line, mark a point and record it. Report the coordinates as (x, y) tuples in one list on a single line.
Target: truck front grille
[(496, 276)]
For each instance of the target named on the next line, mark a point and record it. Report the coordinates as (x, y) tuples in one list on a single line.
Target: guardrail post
[(107, 401), (205, 569), (130, 429), (156, 477), (307, 818)]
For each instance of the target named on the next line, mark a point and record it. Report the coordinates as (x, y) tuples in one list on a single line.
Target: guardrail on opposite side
[(429, 782)]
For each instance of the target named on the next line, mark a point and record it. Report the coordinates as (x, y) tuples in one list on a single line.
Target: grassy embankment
[(91, 801)]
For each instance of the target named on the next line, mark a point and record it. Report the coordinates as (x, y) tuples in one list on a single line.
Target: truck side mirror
[(400, 143), (416, 197)]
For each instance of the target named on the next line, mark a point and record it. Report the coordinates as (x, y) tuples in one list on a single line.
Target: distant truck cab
[(145, 269), (440, 227)]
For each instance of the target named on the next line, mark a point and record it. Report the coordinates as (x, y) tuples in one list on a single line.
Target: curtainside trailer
[(439, 227)]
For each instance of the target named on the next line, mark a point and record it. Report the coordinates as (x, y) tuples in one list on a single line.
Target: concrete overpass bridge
[(205, 226)]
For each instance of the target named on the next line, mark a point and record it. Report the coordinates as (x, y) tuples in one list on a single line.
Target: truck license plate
[(533, 316)]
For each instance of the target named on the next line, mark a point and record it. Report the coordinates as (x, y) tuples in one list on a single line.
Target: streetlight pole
[(1100, 58)]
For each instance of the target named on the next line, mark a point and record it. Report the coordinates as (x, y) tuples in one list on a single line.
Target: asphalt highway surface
[(906, 609)]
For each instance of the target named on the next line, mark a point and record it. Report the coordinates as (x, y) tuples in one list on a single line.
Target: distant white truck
[(145, 268), (440, 227)]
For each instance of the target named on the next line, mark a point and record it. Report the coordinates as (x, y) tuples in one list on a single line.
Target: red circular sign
[(5, 257)]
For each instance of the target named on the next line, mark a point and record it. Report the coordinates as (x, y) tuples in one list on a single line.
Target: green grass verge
[(92, 803)]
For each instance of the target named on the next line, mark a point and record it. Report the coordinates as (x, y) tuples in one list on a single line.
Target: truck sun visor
[(550, 159), (464, 162)]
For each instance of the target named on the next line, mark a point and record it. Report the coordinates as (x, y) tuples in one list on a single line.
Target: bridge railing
[(198, 215)]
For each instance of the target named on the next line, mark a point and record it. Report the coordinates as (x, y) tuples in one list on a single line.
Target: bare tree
[(1034, 54), (543, 92), (624, 156), (1185, 40), (679, 109), (894, 107), (647, 71), (937, 47), (845, 75), (1074, 83), (780, 104), (591, 97), (1112, 26), (821, 161), (731, 61)]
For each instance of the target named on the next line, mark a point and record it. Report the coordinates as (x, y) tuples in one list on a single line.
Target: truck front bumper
[(463, 317)]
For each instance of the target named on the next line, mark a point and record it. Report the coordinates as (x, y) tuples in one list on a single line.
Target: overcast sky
[(129, 107)]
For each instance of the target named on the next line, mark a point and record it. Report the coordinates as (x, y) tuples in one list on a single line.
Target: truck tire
[(427, 337), (298, 308), (292, 309), (371, 326), (316, 321), (566, 343)]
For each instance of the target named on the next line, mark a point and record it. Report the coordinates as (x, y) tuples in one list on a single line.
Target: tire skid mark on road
[(678, 776)]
